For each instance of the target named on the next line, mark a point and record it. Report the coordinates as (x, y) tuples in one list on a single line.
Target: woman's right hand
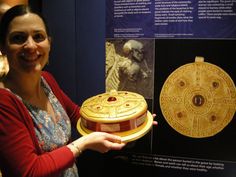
[(97, 141)]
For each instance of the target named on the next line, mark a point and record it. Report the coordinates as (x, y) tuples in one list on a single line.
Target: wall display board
[(171, 19), (187, 74)]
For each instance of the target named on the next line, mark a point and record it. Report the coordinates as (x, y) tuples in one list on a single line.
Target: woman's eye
[(18, 39), (39, 37)]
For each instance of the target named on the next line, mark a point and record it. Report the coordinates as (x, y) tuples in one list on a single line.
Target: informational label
[(129, 18), (183, 164), (177, 163), (214, 19)]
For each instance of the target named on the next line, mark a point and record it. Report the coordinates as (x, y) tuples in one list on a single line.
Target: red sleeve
[(71, 108), (19, 150)]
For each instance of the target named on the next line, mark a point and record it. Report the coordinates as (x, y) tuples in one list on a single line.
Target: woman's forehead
[(27, 22)]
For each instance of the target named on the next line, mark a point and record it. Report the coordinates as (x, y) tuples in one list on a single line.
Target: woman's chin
[(33, 68), (38, 67)]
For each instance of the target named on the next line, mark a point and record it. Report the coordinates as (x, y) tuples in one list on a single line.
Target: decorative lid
[(119, 112)]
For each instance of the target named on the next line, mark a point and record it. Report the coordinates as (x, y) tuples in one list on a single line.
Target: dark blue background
[(77, 61)]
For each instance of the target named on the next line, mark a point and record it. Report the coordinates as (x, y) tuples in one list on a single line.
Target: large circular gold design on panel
[(198, 99)]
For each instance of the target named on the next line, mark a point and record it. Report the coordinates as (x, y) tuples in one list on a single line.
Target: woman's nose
[(30, 43)]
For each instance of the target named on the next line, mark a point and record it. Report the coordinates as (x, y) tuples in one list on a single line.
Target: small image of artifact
[(129, 66), (198, 99)]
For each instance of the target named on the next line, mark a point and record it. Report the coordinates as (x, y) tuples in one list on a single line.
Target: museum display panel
[(194, 90), (171, 34)]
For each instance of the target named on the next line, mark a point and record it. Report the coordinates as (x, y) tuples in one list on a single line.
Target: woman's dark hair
[(13, 12)]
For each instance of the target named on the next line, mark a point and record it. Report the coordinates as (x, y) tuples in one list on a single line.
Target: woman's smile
[(30, 57)]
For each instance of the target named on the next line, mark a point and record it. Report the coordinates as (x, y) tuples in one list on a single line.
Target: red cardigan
[(20, 154)]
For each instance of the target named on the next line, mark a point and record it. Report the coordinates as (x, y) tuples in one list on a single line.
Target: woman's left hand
[(154, 122)]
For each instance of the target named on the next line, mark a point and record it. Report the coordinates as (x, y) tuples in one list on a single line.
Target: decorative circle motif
[(118, 112), (198, 99)]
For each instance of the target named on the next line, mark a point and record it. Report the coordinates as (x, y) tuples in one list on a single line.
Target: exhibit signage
[(176, 53), (215, 19)]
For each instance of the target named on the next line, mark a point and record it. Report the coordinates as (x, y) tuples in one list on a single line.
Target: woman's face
[(27, 44)]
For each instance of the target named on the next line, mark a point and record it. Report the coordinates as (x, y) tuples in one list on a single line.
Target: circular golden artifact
[(118, 112), (198, 99)]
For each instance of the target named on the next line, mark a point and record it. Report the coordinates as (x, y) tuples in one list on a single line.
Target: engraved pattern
[(198, 99), (126, 106), (122, 113)]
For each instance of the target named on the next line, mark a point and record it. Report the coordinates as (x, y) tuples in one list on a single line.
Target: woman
[(35, 114)]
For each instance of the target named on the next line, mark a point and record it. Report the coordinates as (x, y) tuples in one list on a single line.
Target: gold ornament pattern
[(198, 99), (122, 113)]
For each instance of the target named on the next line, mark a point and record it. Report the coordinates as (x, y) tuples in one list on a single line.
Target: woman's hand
[(154, 122), (97, 141), (102, 142)]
